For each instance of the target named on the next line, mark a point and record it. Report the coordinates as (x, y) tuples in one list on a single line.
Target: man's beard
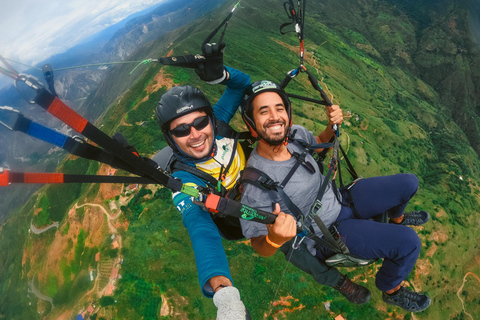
[(274, 140)]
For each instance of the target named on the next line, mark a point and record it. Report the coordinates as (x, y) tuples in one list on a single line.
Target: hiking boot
[(415, 218), (354, 293), (408, 300)]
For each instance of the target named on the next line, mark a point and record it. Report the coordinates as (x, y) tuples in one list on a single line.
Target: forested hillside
[(406, 76)]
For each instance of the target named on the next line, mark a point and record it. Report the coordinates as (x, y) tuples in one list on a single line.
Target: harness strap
[(178, 165), (71, 145), (56, 107), (263, 181), (8, 177)]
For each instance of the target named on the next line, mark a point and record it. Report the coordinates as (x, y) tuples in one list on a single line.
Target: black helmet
[(254, 90), (177, 102)]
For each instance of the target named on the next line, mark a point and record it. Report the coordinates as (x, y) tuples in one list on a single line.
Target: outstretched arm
[(210, 256)]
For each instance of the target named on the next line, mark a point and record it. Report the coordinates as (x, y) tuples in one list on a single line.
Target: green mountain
[(406, 75)]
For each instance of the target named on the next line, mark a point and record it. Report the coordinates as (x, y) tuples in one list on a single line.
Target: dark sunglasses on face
[(183, 130)]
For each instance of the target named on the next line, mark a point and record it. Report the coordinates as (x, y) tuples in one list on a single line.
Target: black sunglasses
[(183, 130)]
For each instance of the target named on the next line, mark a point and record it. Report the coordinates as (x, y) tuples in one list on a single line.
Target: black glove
[(212, 70)]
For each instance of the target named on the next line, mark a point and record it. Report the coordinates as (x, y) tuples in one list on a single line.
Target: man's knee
[(410, 182), (411, 244)]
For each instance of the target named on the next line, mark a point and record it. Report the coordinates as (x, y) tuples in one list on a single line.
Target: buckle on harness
[(266, 181), (316, 208), (31, 82)]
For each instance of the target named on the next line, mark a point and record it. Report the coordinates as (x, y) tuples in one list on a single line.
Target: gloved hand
[(229, 306), (212, 70)]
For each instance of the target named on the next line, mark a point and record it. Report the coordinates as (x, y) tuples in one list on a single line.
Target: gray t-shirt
[(302, 188)]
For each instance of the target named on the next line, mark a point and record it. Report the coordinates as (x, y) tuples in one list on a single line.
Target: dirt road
[(38, 231), (459, 292)]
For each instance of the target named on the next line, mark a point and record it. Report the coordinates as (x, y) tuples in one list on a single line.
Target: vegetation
[(368, 59)]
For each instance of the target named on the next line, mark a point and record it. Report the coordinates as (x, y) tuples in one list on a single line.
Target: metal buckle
[(31, 82), (16, 114), (79, 139), (316, 208)]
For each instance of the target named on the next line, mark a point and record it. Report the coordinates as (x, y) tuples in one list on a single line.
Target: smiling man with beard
[(268, 114)]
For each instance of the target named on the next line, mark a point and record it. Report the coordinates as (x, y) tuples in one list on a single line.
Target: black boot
[(354, 293)]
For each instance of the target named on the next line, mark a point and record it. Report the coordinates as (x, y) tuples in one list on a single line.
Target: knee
[(410, 183), (411, 243)]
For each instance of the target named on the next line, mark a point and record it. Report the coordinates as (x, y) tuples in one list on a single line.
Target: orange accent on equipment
[(43, 177), (4, 178), (212, 202), (67, 115)]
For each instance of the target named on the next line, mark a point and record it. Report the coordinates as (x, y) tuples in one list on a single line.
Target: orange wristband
[(270, 242)]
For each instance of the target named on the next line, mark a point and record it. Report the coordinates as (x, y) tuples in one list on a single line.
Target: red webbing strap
[(42, 177), (212, 202), (4, 178), (67, 115)]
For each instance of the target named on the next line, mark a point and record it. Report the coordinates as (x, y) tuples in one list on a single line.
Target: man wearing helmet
[(267, 113), (188, 122)]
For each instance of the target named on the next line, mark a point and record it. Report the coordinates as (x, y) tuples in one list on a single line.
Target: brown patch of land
[(161, 80), (440, 213), (108, 190), (174, 308), (285, 302), (439, 236), (431, 251)]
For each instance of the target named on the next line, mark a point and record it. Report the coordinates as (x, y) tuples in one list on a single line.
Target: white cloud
[(33, 30)]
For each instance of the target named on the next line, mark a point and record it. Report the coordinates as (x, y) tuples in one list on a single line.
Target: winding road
[(459, 292), (38, 294), (38, 231)]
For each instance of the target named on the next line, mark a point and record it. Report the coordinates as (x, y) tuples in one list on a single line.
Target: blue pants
[(398, 245)]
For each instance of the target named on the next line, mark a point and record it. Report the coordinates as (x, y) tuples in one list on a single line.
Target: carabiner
[(31, 82), (296, 245)]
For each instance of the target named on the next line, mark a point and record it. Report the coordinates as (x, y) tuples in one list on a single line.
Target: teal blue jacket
[(206, 241)]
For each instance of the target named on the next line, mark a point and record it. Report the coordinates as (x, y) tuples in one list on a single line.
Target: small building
[(71, 212), (90, 309), (339, 317), (115, 244), (114, 274), (97, 257), (110, 290), (132, 187), (112, 171)]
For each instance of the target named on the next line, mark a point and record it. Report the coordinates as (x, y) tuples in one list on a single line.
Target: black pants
[(305, 261)]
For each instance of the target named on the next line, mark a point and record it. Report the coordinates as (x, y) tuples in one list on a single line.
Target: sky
[(33, 30)]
